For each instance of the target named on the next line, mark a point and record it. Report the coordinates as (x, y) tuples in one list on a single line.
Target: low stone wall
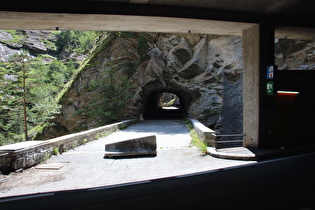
[(27, 154), (204, 133), (4, 159)]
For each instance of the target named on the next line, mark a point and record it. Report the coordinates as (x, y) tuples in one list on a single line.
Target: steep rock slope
[(34, 42), (192, 66), (293, 54)]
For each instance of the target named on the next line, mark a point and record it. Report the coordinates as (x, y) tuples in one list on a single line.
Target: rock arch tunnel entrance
[(164, 105)]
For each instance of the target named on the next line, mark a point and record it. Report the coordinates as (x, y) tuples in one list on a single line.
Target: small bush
[(97, 136), (74, 144), (55, 151), (123, 126), (107, 133), (85, 141), (189, 124), (195, 140)]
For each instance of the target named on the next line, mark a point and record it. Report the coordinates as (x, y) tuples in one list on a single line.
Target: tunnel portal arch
[(153, 109)]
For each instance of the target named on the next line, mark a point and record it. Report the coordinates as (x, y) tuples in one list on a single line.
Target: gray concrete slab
[(242, 153), (20, 145), (85, 167), (144, 145)]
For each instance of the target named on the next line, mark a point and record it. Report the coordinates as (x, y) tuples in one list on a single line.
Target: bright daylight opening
[(164, 105)]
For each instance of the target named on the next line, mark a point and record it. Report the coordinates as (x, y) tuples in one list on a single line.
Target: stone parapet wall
[(4, 159), (27, 154), (206, 134)]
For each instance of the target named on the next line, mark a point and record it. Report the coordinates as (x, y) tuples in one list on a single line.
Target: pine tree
[(19, 65), (113, 97)]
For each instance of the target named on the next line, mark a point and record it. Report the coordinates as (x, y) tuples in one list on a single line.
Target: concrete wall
[(251, 61), (204, 133), (27, 154)]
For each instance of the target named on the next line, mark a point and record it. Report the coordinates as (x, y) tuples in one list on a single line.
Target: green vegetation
[(104, 134), (80, 42), (46, 157), (55, 151), (74, 144), (195, 140), (107, 133), (189, 125), (113, 87), (143, 48), (104, 40), (114, 93), (85, 141), (123, 126), (29, 85), (16, 35), (97, 136)]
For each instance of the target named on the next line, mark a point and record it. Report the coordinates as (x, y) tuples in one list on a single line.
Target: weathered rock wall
[(191, 66), (292, 54), (34, 42)]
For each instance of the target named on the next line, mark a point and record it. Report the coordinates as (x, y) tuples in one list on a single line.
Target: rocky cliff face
[(194, 67), (203, 71), (292, 54), (34, 42)]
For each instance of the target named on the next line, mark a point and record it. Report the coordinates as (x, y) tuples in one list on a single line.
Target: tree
[(19, 63), (7, 101), (80, 42), (113, 97), (29, 85)]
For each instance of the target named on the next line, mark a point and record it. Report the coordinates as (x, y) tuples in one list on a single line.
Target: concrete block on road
[(144, 145)]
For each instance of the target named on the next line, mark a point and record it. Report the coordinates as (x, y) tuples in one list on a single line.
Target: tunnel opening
[(164, 105)]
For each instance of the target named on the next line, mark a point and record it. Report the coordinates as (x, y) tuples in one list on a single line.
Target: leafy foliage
[(44, 76), (43, 81), (79, 42), (48, 77), (113, 97), (195, 140), (143, 48)]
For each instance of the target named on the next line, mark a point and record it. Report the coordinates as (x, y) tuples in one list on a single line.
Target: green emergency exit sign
[(270, 88)]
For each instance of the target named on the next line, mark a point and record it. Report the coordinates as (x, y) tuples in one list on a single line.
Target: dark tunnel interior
[(164, 105)]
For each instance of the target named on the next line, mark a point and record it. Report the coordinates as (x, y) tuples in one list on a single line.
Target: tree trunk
[(24, 102)]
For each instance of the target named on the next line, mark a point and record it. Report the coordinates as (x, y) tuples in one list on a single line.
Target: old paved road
[(85, 167)]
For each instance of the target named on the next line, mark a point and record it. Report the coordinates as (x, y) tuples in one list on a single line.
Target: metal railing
[(229, 142)]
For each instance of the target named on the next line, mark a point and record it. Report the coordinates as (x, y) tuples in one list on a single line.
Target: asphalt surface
[(283, 183), (84, 167)]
